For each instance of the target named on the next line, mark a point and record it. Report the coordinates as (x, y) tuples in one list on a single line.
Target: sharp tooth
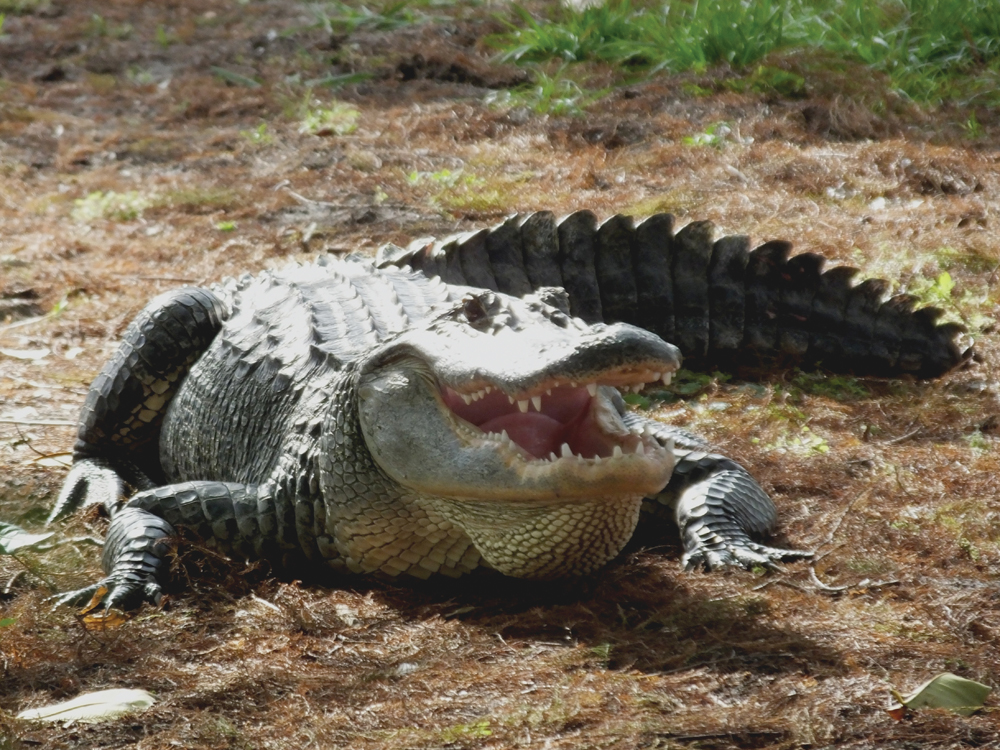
[(553, 456), (597, 460), (572, 384), (667, 377), (536, 401), (617, 452), (592, 389), (548, 391), (640, 449), (511, 399), (503, 436), (466, 398), (654, 377), (488, 390), (522, 404), (566, 451)]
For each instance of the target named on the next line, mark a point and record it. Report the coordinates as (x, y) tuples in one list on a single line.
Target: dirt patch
[(145, 146)]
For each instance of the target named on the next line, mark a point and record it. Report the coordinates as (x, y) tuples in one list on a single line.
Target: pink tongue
[(536, 433)]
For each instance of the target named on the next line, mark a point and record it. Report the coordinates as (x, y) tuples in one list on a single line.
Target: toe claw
[(719, 553), (112, 592)]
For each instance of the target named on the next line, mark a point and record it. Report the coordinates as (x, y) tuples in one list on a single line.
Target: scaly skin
[(382, 421)]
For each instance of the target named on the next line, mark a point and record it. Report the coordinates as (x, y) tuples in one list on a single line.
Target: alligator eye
[(474, 309)]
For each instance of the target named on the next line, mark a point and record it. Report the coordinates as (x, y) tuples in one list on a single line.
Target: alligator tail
[(721, 302)]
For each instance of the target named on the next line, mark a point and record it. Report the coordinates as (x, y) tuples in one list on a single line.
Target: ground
[(146, 145)]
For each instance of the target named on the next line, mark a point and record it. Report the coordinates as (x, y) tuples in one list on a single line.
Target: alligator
[(456, 405)]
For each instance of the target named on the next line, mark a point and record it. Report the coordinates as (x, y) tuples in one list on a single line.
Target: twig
[(500, 638), (26, 322), (826, 587), (836, 527), (310, 202), (163, 278), (13, 579), (865, 583), (266, 603), (27, 441), (339, 206), (902, 438), (830, 551), (75, 540)]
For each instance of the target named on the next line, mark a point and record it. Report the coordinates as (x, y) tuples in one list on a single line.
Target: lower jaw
[(550, 540)]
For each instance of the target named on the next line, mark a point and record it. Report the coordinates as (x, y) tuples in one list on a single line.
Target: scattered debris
[(91, 708)]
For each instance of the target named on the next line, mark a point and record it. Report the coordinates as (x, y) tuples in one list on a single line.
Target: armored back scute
[(721, 302)]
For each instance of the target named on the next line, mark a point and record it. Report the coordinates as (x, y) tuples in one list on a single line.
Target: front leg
[(134, 563), (117, 446), (241, 520), (719, 508)]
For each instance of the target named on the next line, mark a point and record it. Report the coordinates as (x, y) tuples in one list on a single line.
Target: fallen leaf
[(91, 708), (897, 711), (26, 353), (13, 538), (946, 690), (108, 620)]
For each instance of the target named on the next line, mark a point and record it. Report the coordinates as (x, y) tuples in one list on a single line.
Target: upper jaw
[(576, 448)]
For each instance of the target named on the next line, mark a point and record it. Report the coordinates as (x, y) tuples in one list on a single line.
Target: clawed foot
[(125, 592), (98, 481), (729, 553), (91, 481)]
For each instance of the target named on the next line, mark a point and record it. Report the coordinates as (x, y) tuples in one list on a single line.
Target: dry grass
[(893, 483)]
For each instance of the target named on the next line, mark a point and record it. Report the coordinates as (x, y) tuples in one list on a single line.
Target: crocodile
[(457, 405)]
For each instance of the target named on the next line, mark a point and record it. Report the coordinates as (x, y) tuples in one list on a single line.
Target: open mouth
[(560, 420)]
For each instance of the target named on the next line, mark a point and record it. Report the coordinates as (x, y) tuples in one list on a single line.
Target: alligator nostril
[(473, 309)]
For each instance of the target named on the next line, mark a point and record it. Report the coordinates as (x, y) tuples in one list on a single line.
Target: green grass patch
[(332, 118), (681, 36), (555, 94), (22, 7), (98, 26), (843, 388), (258, 136), (337, 17), (131, 205), (768, 79), (110, 205), (165, 37), (973, 306), (341, 18), (197, 200), (931, 50), (461, 192)]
